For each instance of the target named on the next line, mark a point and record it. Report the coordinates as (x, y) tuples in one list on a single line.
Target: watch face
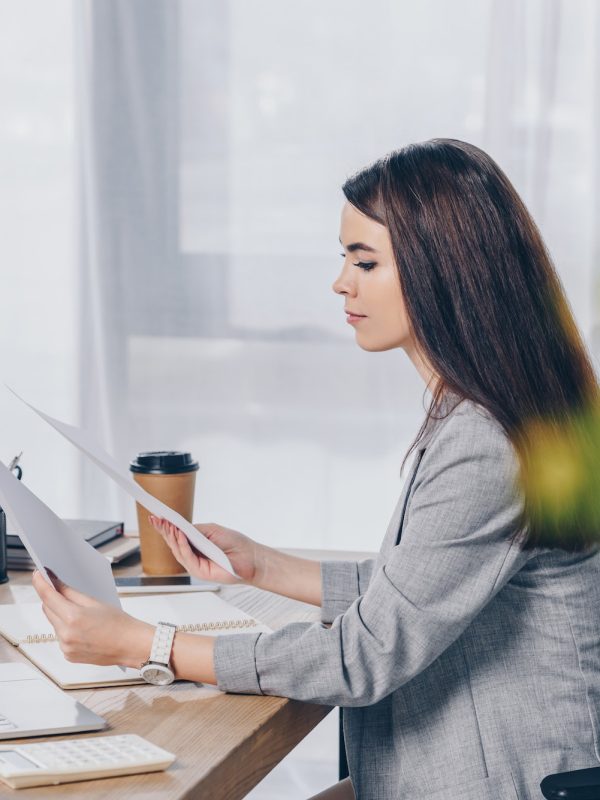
[(157, 674)]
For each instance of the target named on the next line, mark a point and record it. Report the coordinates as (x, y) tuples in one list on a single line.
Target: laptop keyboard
[(6, 724)]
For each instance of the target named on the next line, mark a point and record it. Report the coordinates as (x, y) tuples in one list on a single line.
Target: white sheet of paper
[(53, 544), (84, 442)]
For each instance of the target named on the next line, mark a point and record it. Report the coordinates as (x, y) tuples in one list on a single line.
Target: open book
[(26, 626)]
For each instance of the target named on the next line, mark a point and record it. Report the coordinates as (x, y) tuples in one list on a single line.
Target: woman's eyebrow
[(359, 246)]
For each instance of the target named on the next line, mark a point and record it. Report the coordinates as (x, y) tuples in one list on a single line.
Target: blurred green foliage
[(560, 473)]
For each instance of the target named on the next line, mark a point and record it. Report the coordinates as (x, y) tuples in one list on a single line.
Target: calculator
[(45, 763)]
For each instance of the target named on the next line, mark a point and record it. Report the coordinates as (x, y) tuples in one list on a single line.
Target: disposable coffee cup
[(170, 476)]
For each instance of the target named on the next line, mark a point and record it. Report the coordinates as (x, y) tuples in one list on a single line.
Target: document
[(84, 442), (52, 544)]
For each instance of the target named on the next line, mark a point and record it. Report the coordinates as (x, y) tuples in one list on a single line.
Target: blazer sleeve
[(341, 583), (455, 554)]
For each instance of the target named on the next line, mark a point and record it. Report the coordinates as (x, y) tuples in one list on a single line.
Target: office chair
[(579, 784)]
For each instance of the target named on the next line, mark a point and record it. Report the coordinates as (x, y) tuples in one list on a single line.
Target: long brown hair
[(485, 304)]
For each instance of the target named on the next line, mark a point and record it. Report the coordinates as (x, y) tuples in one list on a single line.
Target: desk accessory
[(95, 532), (25, 626), (114, 552), (3, 553), (119, 549), (30, 705), (165, 584), (51, 763), (12, 467), (170, 476)]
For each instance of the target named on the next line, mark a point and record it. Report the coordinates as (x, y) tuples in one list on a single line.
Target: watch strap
[(162, 643)]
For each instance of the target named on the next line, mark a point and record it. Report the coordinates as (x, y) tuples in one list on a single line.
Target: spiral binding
[(192, 627)]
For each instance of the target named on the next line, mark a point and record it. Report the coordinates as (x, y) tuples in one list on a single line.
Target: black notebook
[(95, 532)]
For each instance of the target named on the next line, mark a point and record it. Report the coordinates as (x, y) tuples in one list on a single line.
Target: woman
[(466, 654)]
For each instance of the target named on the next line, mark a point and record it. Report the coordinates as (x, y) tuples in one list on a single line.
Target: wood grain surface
[(225, 744)]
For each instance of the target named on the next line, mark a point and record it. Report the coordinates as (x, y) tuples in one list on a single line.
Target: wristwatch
[(157, 670)]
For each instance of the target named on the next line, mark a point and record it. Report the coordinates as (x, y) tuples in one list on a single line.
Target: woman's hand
[(254, 563), (91, 632), (247, 557)]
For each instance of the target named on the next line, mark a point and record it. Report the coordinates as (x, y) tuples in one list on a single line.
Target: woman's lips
[(353, 319)]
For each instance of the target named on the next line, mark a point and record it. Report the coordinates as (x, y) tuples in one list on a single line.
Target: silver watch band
[(162, 643)]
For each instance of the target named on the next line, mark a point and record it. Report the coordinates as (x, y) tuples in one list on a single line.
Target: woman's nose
[(343, 283)]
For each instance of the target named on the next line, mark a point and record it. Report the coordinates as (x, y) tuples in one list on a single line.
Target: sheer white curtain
[(214, 140), (39, 324), (541, 123)]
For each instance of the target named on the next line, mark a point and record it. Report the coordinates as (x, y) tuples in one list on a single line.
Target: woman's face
[(370, 284)]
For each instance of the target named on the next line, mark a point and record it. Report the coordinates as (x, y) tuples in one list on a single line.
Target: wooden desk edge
[(247, 764)]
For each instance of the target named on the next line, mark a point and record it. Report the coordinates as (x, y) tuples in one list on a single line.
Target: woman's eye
[(366, 265)]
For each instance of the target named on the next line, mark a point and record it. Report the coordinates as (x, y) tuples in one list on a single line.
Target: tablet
[(163, 584)]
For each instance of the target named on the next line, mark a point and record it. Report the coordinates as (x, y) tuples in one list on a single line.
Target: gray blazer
[(467, 668)]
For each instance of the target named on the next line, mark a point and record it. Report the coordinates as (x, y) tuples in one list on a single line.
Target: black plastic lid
[(163, 462)]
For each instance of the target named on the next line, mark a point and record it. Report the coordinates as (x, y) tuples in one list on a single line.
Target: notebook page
[(23, 619), (17, 621), (190, 609), (49, 658)]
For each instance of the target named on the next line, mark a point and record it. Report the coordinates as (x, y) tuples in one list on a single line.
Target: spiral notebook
[(25, 626)]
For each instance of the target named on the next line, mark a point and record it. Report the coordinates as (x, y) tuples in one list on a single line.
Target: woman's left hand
[(91, 632)]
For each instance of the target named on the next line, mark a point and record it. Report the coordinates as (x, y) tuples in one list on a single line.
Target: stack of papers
[(95, 532)]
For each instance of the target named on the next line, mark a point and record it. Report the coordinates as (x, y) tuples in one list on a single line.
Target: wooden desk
[(225, 744)]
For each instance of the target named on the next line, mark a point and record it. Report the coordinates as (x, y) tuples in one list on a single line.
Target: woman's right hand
[(246, 555)]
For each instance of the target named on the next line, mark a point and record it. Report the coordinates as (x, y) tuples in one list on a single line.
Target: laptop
[(30, 705)]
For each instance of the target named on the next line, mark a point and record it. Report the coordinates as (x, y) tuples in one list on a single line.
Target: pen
[(14, 466)]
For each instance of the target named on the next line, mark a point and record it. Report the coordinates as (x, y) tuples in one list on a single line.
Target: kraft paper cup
[(169, 476)]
